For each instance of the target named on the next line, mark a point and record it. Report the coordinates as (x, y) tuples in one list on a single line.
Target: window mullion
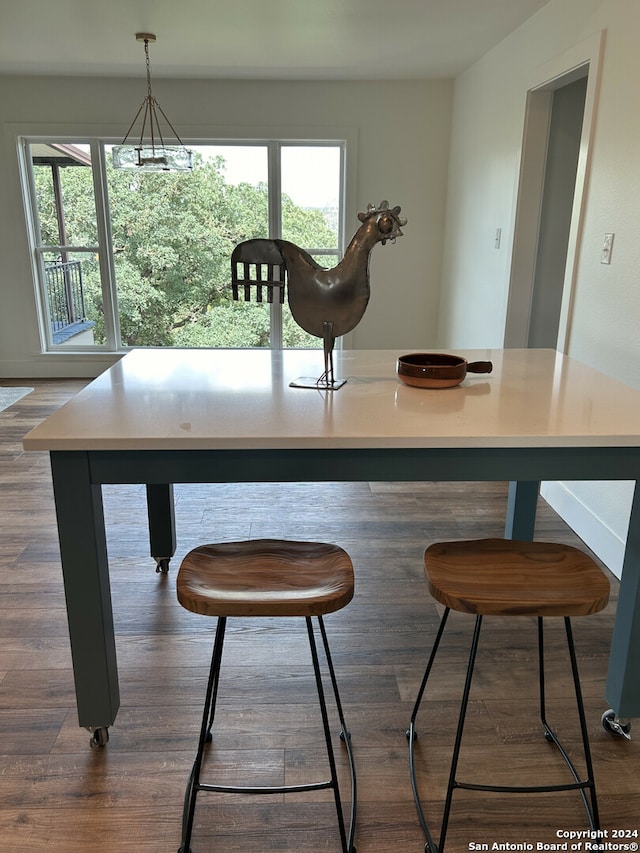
[(34, 230), (275, 232), (105, 256)]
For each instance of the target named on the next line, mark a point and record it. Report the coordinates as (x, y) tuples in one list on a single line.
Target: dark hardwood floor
[(58, 794)]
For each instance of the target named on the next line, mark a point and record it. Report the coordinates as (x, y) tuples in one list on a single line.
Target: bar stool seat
[(268, 578), (499, 577)]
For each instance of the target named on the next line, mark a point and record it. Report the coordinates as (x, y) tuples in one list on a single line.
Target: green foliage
[(172, 237), (306, 228)]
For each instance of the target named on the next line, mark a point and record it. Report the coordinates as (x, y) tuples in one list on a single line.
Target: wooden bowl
[(437, 370)]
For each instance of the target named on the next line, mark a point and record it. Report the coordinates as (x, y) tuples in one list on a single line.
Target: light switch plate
[(607, 248)]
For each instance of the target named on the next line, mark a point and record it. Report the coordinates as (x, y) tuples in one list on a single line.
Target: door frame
[(582, 60)]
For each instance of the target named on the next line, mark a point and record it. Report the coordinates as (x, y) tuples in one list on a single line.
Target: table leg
[(162, 523), (85, 569), (623, 680), (521, 509)]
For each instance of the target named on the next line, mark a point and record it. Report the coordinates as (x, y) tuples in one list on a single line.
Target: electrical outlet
[(607, 248)]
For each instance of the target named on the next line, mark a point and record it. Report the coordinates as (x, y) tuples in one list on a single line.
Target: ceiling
[(248, 39)]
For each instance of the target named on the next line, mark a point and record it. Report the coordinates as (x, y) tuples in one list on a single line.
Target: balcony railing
[(65, 295)]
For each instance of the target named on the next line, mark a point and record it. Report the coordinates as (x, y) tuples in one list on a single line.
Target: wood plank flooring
[(58, 794)]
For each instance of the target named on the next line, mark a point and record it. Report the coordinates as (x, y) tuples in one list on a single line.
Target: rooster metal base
[(323, 383), (326, 303)]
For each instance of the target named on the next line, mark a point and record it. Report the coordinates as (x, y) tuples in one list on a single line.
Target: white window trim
[(344, 140)]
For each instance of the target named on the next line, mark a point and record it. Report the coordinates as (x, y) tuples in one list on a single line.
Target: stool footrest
[(271, 789), (523, 789), (578, 785)]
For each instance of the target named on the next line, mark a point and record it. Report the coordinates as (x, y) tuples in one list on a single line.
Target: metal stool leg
[(431, 846), (594, 817), (456, 748), (345, 734), (589, 783), (590, 808), (347, 845), (193, 786), (427, 672), (412, 735)]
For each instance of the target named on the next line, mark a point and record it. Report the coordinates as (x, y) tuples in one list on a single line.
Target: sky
[(310, 175)]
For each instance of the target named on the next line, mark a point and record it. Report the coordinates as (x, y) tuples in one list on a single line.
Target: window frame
[(104, 250)]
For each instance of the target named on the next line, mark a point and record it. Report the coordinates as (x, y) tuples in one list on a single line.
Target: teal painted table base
[(79, 475)]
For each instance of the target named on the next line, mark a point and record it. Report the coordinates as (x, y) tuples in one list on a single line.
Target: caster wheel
[(408, 735), (611, 724), (162, 565), (99, 738), (345, 736), (208, 739)]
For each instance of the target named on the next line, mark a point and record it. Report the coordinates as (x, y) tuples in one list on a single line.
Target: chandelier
[(150, 153)]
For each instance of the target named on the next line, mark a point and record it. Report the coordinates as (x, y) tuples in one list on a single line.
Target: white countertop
[(211, 399)]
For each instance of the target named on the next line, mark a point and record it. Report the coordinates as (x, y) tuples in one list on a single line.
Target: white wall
[(487, 130), (399, 143)]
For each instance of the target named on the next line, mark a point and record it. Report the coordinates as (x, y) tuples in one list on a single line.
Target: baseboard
[(59, 365), (601, 539)]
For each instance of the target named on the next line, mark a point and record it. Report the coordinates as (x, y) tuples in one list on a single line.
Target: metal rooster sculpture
[(326, 303)]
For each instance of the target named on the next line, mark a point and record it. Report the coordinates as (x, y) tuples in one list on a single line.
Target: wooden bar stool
[(498, 577), (268, 577)]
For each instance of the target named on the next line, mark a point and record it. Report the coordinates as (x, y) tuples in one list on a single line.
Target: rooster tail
[(258, 264)]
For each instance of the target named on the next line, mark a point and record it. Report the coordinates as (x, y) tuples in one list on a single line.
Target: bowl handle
[(479, 367)]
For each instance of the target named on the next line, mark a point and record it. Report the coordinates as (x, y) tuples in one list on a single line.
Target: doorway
[(559, 118), (563, 148)]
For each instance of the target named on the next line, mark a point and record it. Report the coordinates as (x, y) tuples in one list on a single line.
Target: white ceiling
[(275, 39)]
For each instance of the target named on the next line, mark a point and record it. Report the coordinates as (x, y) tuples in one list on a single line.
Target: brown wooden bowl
[(437, 370)]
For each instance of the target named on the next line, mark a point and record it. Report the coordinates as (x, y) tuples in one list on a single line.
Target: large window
[(124, 259)]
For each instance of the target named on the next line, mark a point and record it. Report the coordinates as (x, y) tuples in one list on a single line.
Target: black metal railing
[(65, 294)]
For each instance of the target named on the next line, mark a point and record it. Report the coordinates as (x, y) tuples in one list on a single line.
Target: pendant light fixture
[(150, 153)]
